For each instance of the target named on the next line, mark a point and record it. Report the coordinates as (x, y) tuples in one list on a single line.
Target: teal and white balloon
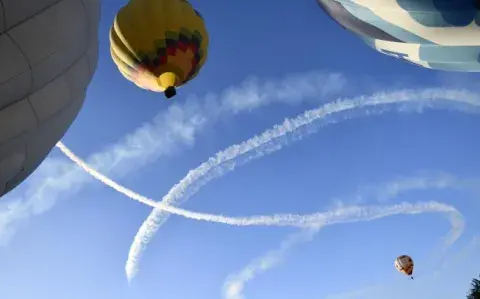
[(435, 34)]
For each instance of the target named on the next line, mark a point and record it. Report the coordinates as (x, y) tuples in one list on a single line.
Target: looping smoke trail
[(342, 215), (224, 161), (314, 222), (235, 283)]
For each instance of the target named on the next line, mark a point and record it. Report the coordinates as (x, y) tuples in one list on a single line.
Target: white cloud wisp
[(171, 130), (347, 214), (313, 222), (235, 283), (274, 139)]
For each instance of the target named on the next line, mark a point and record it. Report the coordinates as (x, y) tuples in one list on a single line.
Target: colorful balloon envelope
[(404, 264), (159, 44), (435, 34)]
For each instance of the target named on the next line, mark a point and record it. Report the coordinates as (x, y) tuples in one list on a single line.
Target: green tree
[(474, 292)]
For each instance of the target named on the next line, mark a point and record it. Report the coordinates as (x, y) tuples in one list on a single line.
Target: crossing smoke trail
[(172, 130), (263, 144), (235, 283), (316, 220), (342, 215)]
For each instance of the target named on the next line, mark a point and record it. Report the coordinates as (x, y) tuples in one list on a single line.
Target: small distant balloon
[(404, 264), (435, 34), (159, 45)]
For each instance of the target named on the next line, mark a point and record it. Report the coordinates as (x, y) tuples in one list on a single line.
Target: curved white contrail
[(342, 215), (313, 222), (225, 161), (257, 142), (235, 283)]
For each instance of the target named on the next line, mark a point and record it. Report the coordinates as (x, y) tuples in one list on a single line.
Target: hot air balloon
[(435, 34), (159, 44), (48, 55), (404, 264)]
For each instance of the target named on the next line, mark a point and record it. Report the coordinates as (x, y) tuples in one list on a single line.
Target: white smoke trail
[(263, 144), (313, 221), (235, 283), (342, 215), (168, 133)]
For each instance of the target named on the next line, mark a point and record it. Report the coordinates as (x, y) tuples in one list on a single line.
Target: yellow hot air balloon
[(159, 44), (404, 264)]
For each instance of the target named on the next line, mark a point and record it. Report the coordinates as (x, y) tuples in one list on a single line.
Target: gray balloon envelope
[(48, 56)]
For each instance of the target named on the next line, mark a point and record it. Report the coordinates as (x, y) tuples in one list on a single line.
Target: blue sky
[(65, 235)]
